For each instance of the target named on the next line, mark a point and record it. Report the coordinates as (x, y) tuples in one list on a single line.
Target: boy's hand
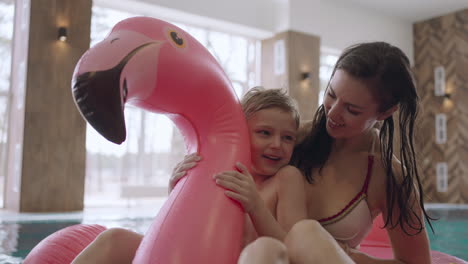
[(181, 169), (241, 187)]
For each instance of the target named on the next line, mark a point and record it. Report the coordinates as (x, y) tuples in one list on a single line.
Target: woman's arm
[(407, 249)]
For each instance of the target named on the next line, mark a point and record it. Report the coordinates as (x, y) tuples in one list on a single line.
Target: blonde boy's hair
[(259, 98)]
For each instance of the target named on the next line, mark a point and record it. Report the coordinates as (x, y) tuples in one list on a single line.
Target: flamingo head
[(140, 56)]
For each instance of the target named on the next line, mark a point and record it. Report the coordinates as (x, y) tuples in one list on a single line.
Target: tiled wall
[(443, 41)]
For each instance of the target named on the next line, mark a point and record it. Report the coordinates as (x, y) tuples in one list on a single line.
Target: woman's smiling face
[(349, 106)]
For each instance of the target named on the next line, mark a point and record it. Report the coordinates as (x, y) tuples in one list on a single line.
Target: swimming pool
[(450, 231), (18, 237)]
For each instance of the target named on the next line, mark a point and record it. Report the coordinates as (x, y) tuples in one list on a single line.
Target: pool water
[(450, 232), (19, 237)]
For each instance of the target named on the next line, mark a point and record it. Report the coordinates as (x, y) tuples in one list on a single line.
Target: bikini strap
[(372, 152), (370, 163)]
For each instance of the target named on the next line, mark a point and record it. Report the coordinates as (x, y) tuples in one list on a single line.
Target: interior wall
[(254, 19), (258, 14), (443, 41), (338, 24)]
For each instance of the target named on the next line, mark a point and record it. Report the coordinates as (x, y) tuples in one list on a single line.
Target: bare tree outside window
[(328, 58), (7, 10)]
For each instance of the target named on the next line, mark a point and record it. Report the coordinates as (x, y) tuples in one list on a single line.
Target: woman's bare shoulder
[(380, 167)]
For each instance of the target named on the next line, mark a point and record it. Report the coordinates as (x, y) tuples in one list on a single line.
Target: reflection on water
[(18, 239), (8, 238), (5, 259)]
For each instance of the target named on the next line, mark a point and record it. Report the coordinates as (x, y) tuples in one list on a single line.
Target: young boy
[(272, 193)]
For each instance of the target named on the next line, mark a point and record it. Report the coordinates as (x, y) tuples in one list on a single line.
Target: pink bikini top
[(354, 221)]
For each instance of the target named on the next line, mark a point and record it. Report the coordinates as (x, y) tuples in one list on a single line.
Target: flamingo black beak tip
[(99, 102)]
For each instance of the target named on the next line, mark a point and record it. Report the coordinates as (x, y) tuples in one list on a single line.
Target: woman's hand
[(181, 169), (241, 187)]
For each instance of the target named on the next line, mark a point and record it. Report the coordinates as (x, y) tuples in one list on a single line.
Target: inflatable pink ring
[(64, 245), (157, 66)]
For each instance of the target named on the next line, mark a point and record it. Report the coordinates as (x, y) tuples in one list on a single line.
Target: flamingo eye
[(176, 39)]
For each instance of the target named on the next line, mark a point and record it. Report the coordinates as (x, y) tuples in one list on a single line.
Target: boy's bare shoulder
[(289, 173)]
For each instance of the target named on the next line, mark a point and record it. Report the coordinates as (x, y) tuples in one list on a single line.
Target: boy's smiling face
[(272, 138)]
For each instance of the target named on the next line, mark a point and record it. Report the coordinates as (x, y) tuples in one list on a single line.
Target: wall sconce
[(447, 103), (305, 80), (62, 34)]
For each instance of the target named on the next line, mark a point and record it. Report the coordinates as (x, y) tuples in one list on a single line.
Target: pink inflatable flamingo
[(157, 66)]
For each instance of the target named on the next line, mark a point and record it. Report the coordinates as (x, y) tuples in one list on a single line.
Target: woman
[(352, 172), (350, 166)]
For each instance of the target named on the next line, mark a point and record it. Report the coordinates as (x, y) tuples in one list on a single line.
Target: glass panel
[(327, 63), (7, 10), (102, 21)]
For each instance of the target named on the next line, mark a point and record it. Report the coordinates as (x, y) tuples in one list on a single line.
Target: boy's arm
[(241, 187), (291, 207), (265, 223)]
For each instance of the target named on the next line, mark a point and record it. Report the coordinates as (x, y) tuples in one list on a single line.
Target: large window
[(141, 166), (328, 58), (6, 34)]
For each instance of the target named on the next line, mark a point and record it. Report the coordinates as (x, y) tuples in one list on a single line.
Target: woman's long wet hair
[(388, 71)]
